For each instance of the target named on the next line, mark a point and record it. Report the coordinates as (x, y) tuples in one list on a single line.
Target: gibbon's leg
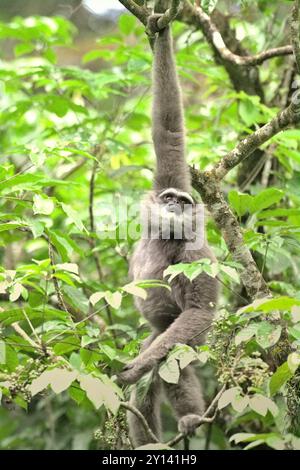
[(186, 399), (149, 406)]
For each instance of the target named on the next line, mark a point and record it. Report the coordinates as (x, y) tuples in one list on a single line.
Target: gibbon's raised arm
[(167, 118)]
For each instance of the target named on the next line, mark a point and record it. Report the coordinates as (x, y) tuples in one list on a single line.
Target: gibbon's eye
[(168, 198), (184, 200)]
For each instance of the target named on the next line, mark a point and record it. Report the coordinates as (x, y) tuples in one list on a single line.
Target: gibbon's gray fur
[(183, 314)]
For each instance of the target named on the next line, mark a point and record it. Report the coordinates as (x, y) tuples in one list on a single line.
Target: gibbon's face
[(169, 214), (173, 201)]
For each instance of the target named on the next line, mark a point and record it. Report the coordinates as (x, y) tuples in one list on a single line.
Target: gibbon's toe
[(188, 424)]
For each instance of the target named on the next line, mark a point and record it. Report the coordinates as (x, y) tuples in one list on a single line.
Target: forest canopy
[(76, 159)]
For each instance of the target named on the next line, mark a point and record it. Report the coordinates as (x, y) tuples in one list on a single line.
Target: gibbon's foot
[(152, 27), (188, 424)]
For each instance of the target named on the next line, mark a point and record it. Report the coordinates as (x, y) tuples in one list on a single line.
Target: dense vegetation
[(76, 148)]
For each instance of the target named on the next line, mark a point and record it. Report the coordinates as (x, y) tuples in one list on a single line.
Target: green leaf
[(70, 267), (240, 403), (74, 217), (209, 5), (99, 393), (10, 226), (57, 105), (42, 204), (268, 305), (248, 112), (36, 227), (114, 299), (227, 397), (245, 334), (58, 379), (279, 378), (23, 48), (92, 55), (266, 198), (293, 361), (267, 334), (15, 292), (169, 371), (126, 24), (133, 289), (96, 297), (241, 203), (184, 354), (261, 405)]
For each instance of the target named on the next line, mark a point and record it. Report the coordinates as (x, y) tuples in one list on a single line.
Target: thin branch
[(295, 33), (141, 13), (169, 14), (205, 418), (214, 37), (25, 336), (142, 419), (58, 292), (288, 116), (258, 59)]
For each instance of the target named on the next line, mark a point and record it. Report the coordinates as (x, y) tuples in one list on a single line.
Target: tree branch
[(141, 13), (212, 196), (295, 33), (169, 15), (214, 37), (286, 117), (58, 292), (142, 419)]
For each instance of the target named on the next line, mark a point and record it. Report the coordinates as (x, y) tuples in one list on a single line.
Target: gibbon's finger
[(128, 367), (152, 27)]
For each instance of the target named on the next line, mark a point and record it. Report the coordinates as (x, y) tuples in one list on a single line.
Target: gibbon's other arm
[(167, 115), (188, 328), (182, 330)]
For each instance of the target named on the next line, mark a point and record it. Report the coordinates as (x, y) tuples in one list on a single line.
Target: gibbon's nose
[(173, 206)]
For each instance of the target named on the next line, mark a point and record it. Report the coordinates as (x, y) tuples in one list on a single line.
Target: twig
[(140, 12), (25, 336), (214, 37), (59, 295), (142, 419), (169, 14), (286, 117), (295, 33), (31, 325), (205, 418)]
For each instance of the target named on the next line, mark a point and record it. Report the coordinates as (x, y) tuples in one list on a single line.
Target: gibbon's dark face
[(174, 201), (168, 214)]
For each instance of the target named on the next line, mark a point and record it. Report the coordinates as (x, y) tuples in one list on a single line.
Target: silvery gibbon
[(183, 314)]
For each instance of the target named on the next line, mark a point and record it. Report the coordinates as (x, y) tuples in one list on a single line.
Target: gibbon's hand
[(133, 371)]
